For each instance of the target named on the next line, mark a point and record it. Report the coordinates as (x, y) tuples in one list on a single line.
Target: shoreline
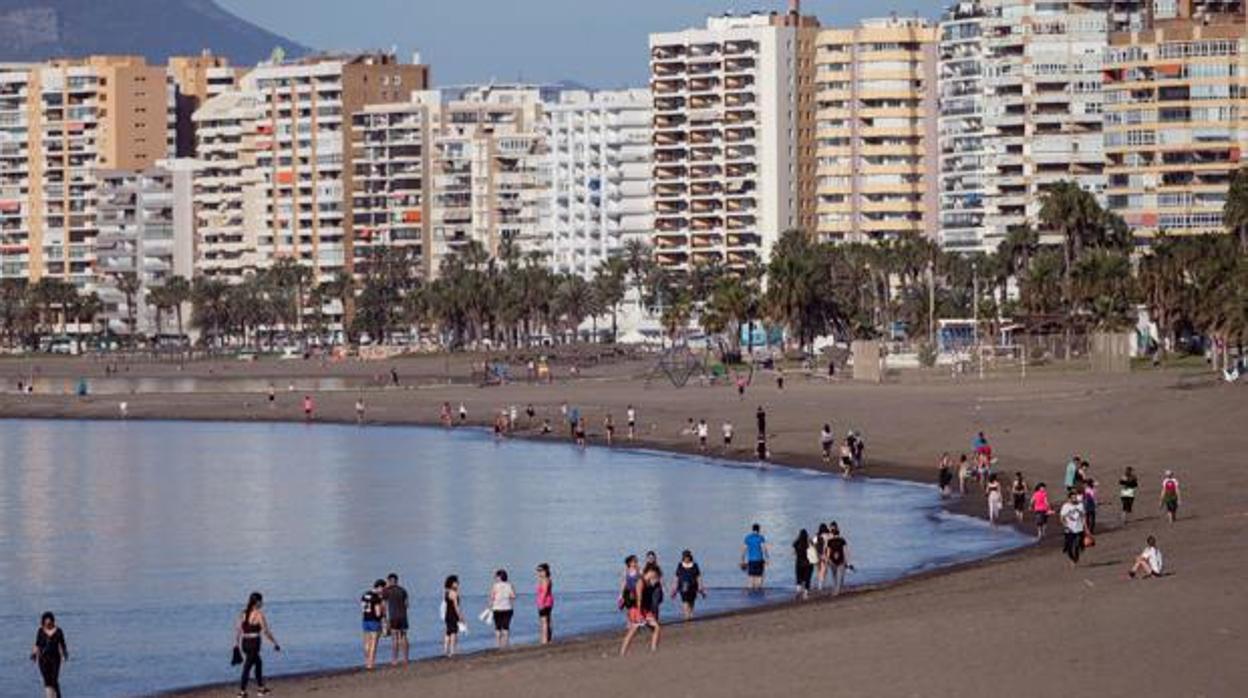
[(1034, 425), (956, 505)]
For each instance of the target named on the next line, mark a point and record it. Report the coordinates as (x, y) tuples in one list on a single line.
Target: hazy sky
[(598, 42)]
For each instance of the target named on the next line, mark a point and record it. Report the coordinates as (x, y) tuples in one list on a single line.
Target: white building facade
[(599, 195)]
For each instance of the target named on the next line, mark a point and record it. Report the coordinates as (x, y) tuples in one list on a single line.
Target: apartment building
[(599, 191), (392, 208), (731, 106), (303, 154), (450, 167), (145, 230), (960, 128), (1176, 127), (197, 80), (63, 121), (876, 143), (230, 201)]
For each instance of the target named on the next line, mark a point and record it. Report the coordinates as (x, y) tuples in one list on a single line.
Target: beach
[(1024, 624)]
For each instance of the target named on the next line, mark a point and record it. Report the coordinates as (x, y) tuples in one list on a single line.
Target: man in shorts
[(372, 608), (632, 422), (754, 555), (395, 597)]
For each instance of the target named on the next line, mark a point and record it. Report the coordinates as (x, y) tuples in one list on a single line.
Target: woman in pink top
[(545, 601), (1040, 508)]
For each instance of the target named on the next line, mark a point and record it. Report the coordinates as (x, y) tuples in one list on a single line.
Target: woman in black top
[(252, 627), (803, 566), (688, 583), (1128, 485), (452, 616), (49, 651), (838, 558)]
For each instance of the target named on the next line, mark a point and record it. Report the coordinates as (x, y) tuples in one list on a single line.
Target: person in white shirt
[(1072, 518), (1148, 563), (703, 433), (727, 435), (502, 607), (631, 415)]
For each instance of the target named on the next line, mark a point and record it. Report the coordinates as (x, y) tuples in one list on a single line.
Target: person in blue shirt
[(1072, 471), (754, 556)]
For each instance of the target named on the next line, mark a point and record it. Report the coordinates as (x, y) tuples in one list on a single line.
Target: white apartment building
[(145, 230), (230, 202), (1042, 105), (726, 151), (960, 125), (599, 194)]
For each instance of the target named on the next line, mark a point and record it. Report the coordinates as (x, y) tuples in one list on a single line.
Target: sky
[(600, 43)]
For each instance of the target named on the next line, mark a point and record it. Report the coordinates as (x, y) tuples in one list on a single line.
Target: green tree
[(130, 286), (1235, 210)]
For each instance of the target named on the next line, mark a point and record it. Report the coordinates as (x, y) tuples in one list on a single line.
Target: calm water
[(146, 537)]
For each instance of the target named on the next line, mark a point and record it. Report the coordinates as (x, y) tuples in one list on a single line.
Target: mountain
[(34, 30)]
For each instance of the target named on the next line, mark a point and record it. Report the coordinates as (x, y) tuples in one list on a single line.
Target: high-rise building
[(449, 168), (230, 201), (1176, 116), (599, 193), (1041, 101), (63, 121), (731, 107), (876, 138), (144, 231), (302, 151), (198, 79), (960, 128)]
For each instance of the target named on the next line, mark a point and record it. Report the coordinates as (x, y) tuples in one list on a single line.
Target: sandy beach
[(1023, 625)]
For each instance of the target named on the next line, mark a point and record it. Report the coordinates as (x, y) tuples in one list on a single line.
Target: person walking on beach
[(372, 610), (608, 426), (1040, 509), (359, 410), (272, 396), (821, 550), (1128, 485), (309, 407), (838, 557), (703, 434), (643, 613), (463, 413), (631, 415), (804, 559), (394, 376), (1089, 505), (826, 441), (1072, 517), (395, 597), (628, 583), (727, 429), (545, 604), (688, 584), (964, 473), (945, 478), (502, 607), (1170, 496), (580, 432), (1018, 493), (49, 652), (754, 556), (452, 618), (1072, 471), (445, 416), (760, 419), (847, 460), (993, 492), (252, 627), (1149, 562)]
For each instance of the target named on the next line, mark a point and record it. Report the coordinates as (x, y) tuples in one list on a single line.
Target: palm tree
[(17, 310), (1235, 210), (1074, 214), (130, 285), (729, 308), (638, 259), (161, 299), (179, 293), (575, 302), (52, 297), (799, 287), (609, 288), (85, 306), (210, 308)]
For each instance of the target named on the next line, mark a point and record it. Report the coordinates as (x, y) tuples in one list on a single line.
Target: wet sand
[(1023, 625)]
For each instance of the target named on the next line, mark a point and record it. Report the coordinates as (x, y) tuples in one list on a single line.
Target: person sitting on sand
[(1148, 563)]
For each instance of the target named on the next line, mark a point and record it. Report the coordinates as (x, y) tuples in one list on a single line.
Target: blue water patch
[(146, 537)]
